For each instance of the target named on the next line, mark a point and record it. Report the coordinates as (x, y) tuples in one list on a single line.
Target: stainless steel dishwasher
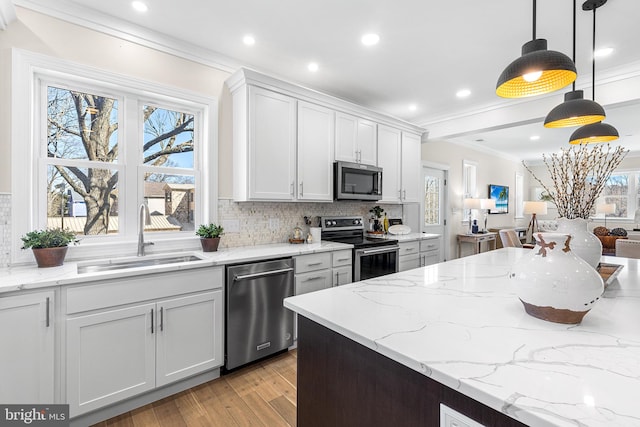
[(257, 324)]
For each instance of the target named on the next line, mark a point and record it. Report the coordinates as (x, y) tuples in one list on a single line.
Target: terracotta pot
[(553, 283), (209, 244), (50, 257)]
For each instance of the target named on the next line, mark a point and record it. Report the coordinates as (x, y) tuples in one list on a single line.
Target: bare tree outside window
[(83, 144)]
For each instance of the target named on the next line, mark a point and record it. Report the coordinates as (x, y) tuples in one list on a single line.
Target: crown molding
[(77, 14), (7, 13)]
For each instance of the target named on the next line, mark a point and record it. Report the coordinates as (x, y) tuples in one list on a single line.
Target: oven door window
[(379, 264)]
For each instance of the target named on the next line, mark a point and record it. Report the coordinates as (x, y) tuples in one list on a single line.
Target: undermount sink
[(124, 263)]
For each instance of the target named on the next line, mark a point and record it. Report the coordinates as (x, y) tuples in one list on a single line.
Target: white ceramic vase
[(584, 243), (553, 283)]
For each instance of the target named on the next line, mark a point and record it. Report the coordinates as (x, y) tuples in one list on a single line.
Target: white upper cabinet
[(286, 138), (389, 155), (264, 145), (355, 139), (315, 152), (411, 167)]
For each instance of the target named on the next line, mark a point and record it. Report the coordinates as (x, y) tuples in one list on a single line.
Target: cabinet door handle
[(337, 279), (313, 264), (343, 259), (161, 318), (152, 320), (404, 194), (302, 189), (309, 279), (47, 309), (409, 249), (293, 185)]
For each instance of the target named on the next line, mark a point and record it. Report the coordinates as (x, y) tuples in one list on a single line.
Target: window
[(102, 144)]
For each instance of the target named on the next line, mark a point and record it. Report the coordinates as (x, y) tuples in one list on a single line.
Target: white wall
[(491, 169), (42, 34)]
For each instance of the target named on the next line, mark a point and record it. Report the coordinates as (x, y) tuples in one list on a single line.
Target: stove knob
[(356, 222), (333, 223)]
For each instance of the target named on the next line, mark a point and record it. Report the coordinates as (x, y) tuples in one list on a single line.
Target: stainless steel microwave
[(355, 181)]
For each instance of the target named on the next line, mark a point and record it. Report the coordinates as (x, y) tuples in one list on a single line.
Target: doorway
[(433, 206)]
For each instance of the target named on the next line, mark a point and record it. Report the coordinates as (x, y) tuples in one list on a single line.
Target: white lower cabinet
[(342, 269), (429, 252), (409, 255), (27, 358), (119, 352)]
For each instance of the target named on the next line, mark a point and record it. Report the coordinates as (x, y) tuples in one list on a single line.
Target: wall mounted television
[(500, 193)]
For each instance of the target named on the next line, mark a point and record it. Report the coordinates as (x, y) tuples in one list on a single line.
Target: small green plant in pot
[(49, 246), (209, 236)]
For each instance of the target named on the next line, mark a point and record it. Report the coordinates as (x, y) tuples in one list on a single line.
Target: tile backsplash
[(273, 222), (5, 229), (259, 222)]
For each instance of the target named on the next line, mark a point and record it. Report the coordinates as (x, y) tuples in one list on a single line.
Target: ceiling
[(428, 51)]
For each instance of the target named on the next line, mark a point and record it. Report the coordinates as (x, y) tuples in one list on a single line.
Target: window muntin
[(432, 192)]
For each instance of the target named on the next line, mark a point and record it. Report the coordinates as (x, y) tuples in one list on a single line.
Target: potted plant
[(209, 236), (377, 213), (49, 246)]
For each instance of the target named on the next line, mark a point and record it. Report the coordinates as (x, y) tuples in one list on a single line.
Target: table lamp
[(487, 204), (470, 203), (533, 208), (606, 208)]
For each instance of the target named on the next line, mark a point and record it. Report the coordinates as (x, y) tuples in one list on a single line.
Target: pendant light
[(594, 132), (537, 71), (575, 110)]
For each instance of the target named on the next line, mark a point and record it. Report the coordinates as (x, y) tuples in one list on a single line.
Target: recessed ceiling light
[(139, 6), (463, 93), (249, 40), (313, 67), (413, 107), (534, 137), (370, 39), (605, 51)]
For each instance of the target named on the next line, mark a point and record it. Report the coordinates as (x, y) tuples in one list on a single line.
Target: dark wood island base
[(343, 383)]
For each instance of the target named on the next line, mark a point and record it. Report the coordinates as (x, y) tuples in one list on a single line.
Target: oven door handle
[(378, 251)]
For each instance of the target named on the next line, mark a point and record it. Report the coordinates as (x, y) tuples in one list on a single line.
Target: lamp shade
[(538, 208), (594, 133), (471, 203), (606, 208), (487, 203), (574, 111), (537, 71)]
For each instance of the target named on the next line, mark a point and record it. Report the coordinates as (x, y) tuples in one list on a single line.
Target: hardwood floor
[(263, 394)]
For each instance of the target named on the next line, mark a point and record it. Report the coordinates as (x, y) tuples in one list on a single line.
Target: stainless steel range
[(372, 257)]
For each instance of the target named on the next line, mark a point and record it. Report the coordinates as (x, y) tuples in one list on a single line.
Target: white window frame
[(632, 196), (26, 164), (469, 185), (519, 196)]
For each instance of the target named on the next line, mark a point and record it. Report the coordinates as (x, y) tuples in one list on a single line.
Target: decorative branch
[(578, 176)]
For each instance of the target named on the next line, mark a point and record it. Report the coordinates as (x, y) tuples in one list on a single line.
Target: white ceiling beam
[(7, 13)]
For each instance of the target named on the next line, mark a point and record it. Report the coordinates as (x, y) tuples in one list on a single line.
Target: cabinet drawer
[(429, 245), (109, 293), (340, 258), (409, 248), (408, 262), (313, 262), (313, 281)]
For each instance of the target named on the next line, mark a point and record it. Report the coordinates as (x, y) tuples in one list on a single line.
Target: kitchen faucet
[(144, 219)]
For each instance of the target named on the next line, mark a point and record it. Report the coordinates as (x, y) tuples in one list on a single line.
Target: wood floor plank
[(262, 394), (264, 411), (285, 408)]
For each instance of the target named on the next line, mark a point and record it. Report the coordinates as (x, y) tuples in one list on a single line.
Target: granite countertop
[(461, 323), (31, 277)]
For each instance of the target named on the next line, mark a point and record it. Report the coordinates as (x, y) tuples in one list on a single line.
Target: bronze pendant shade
[(574, 111), (537, 71)]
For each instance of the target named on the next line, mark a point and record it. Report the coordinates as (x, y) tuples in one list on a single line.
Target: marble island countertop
[(30, 277), (461, 323)]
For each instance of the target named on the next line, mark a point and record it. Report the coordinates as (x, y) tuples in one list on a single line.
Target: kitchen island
[(389, 350)]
